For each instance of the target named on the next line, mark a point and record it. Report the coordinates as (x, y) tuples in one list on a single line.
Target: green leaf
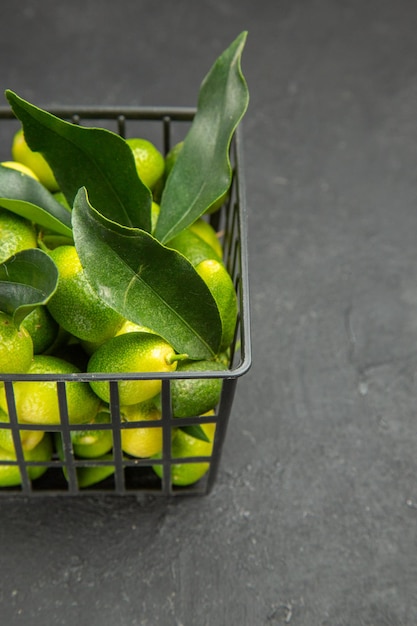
[(195, 430), (202, 172), (28, 198), (95, 158), (27, 279), (146, 282)]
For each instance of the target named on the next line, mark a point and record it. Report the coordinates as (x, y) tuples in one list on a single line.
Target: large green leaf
[(95, 158), (202, 172), (146, 282), (27, 279), (28, 198)]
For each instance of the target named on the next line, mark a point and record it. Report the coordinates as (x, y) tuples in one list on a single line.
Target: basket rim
[(130, 112)]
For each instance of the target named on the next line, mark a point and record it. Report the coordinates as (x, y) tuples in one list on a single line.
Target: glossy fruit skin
[(193, 247), (75, 306), (20, 167), (150, 163), (195, 396), (16, 347), (37, 401), (34, 161), (220, 283), (204, 230), (29, 438), (16, 234), (131, 327), (132, 352), (42, 328), (91, 444), (142, 442), (10, 475), (89, 475), (184, 446)]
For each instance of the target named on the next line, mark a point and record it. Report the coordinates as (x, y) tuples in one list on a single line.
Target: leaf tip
[(11, 96)]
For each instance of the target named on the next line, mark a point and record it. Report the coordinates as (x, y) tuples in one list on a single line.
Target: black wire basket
[(131, 475)]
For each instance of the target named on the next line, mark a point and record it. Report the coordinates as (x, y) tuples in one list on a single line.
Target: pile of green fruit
[(109, 265)]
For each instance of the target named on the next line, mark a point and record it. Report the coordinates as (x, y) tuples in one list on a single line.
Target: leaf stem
[(177, 357)]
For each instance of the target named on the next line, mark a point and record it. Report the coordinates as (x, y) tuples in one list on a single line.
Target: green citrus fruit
[(90, 444), (132, 327), (93, 474), (16, 234), (37, 401), (88, 475), (34, 160), (150, 163), (10, 475), (217, 204), (14, 165), (144, 441), (16, 347), (206, 231), (29, 438), (194, 396), (155, 210), (42, 327), (220, 283), (193, 247), (132, 352), (127, 327), (75, 306), (184, 446)]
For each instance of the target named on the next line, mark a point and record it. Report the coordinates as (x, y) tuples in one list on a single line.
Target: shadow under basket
[(123, 474)]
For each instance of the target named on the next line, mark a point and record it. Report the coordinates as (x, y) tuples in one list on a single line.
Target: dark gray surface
[(313, 518)]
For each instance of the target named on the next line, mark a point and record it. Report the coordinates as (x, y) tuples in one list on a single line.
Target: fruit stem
[(176, 357)]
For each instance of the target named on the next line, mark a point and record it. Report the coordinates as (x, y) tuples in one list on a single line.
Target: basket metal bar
[(225, 407), (113, 112), (20, 459), (65, 433), (117, 442)]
